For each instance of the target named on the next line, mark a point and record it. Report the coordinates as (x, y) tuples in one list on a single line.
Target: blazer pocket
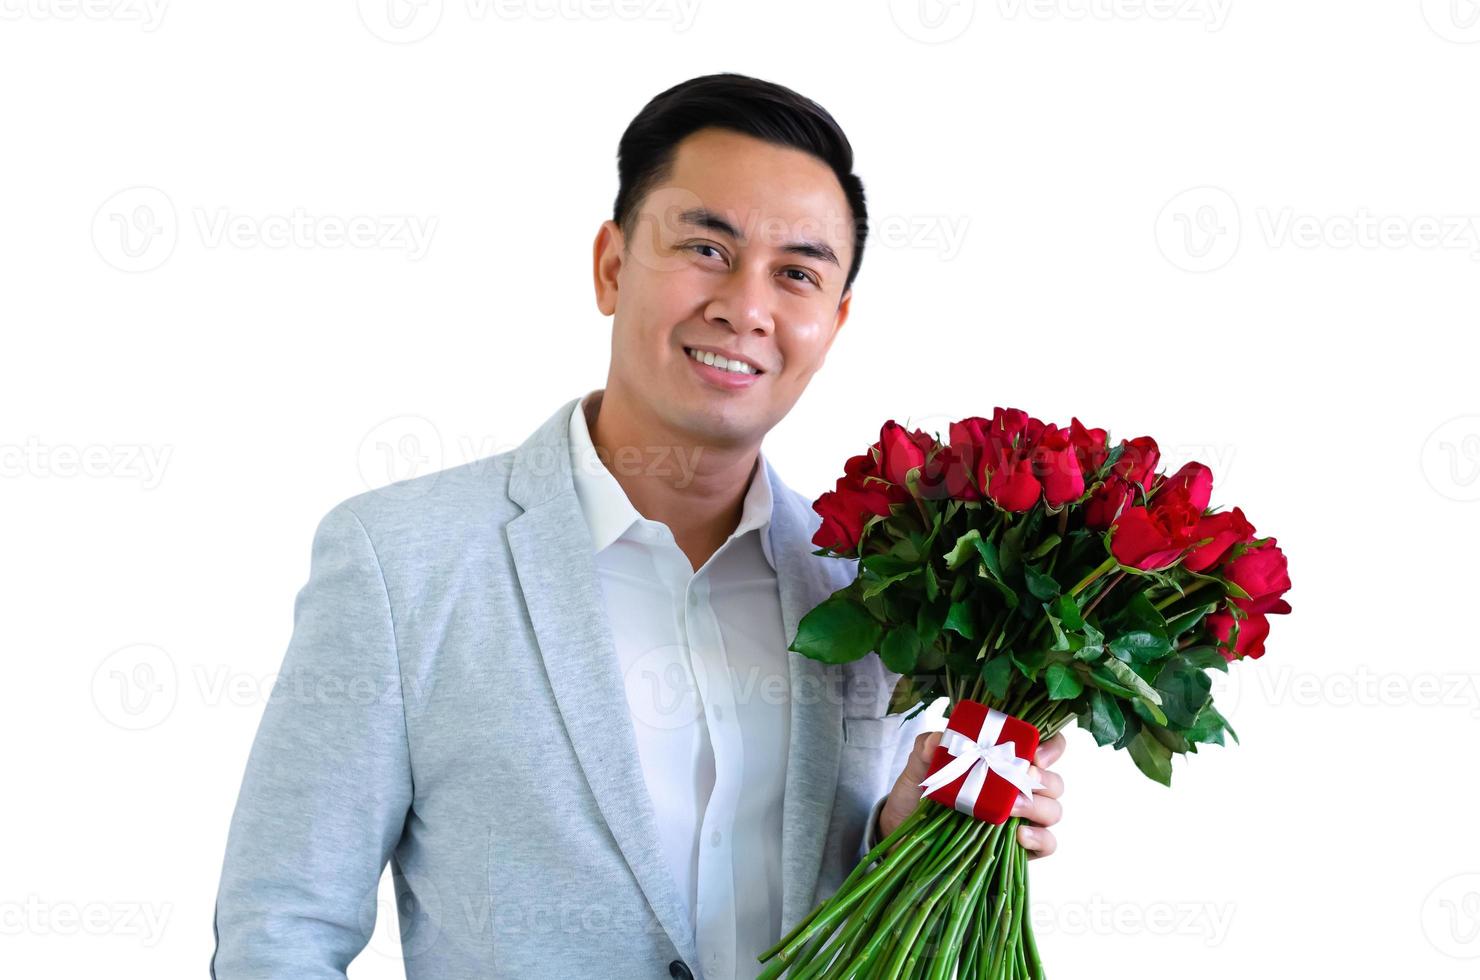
[(873, 733)]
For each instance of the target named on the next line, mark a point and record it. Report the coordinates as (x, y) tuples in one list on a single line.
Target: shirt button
[(714, 838), (679, 971)]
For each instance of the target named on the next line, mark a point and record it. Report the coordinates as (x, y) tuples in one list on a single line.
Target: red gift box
[(985, 789)]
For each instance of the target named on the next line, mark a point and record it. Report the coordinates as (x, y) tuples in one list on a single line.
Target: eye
[(696, 246), (806, 276)]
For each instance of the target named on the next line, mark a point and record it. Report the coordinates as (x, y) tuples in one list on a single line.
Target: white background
[(1246, 228)]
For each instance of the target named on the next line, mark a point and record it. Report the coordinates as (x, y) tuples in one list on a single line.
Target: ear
[(841, 317), (606, 264)]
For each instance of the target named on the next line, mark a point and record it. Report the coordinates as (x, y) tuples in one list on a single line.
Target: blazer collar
[(554, 558)]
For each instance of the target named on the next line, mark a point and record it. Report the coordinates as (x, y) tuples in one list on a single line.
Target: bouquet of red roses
[(1032, 575)]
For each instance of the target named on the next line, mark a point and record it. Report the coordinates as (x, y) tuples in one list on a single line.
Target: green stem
[(1200, 583), (1104, 567)]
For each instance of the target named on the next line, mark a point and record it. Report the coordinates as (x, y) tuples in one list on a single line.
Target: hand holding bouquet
[(1033, 575)]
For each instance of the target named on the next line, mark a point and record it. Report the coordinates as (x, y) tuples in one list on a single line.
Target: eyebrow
[(705, 218)]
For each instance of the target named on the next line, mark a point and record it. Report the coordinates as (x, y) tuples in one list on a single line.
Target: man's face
[(744, 248)]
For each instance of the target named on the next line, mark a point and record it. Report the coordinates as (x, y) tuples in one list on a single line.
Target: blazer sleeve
[(328, 784), (910, 730)]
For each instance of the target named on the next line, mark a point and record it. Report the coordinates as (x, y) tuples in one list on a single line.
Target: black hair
[(751, 106)]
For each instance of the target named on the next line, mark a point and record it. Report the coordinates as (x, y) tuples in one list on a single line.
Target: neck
[(696, 489)]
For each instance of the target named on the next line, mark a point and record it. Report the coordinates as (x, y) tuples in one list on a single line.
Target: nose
[(743, 302)]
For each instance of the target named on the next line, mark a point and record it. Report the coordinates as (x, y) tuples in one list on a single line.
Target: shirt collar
[(609, 513)]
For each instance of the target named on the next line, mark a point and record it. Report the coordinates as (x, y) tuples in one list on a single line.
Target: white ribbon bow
[(977, 757)]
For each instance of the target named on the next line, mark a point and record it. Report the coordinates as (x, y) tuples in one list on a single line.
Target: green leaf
[(1068, 611), (871, 589), (1174, 741), (964, 548), (988, 550), (928, 621), (1152, 757), (932, 586), (1149, 713), (900, 649), (1102, 678), (1132, 729), (1009, 595), (1208, 658), (1184, 690), (1041, 585), (1062, 682), (887, 565), (904, 696), (837, 630), (959, 585), (1143, 691), (1188, 620), (1105, 720), (1140, 646), (1030, 662), (962, 618), (1090, 652), (1140, 614), (997, 673), (1208, 727), (1060, 640), (1048, 544)]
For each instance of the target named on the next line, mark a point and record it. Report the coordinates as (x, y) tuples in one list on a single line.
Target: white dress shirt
[(704, 659)]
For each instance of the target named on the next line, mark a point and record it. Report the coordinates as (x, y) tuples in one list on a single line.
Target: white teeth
[(724, 363)]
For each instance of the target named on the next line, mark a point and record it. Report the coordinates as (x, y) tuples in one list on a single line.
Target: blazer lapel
[(817, 695), (551, 549)]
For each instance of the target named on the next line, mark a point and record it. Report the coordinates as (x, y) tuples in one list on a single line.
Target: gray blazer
[(451, 701)]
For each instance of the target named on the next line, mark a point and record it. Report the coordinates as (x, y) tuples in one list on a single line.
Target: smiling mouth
[(722, 363)]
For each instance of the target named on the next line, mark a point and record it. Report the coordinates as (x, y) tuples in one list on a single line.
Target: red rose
[(1106, 503), (1252, 632), (1261, 571), (1155, 536), (1005, 469), (902, 450), (1193, 482), (872, 496), (1089, 447), (1138, 462), (1226, 530), (948, 474), (968, 445), (842, 523), (1056, 465), (1011, 483)]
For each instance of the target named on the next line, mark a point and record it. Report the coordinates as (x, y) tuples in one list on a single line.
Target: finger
[(1049, 751), (1053, 783), (919, 765), (1044, 811), (1038, 841)]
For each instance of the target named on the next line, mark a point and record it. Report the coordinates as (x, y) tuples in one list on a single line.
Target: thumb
[(906, 791)]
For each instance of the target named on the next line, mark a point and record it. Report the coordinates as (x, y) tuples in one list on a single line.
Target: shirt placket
[(717, 910)]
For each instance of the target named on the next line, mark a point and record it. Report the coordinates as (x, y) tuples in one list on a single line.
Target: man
[(579, 738)]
